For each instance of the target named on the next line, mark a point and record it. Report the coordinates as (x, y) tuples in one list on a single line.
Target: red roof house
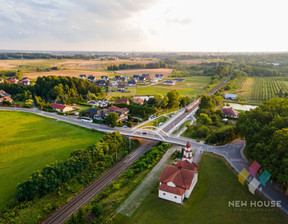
[(230, 112), (177, 182), (138, 100), (126, 101), (6, 98), (62, 108), (13, 80)]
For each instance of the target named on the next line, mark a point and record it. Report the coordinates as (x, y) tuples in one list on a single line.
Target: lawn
[(28, 142), (208, 203)]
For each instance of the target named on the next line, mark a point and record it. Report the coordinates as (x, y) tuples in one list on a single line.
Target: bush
[(97, 210)]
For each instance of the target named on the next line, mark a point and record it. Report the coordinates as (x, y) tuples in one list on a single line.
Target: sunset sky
[(150, 25)]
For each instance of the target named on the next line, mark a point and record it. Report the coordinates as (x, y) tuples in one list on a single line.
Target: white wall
[(170, 197), (194, 181)]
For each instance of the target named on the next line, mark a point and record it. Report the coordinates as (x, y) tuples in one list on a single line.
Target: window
[(164, 194), (175, 196)]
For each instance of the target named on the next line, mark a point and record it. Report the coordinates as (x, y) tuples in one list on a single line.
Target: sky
[(144, 25)]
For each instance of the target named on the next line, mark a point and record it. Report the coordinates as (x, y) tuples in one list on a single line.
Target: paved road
[(233, 153), (85, 196)]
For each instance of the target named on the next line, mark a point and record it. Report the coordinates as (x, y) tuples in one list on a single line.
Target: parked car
[(86, 119)]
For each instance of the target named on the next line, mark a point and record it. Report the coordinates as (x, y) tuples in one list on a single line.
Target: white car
[(86, 119)]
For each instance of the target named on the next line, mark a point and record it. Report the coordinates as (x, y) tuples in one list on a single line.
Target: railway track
[(184, 114), (85, 196)]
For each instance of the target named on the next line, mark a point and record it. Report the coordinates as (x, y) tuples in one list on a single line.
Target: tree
[(157, 99), (164, 102), (112, 119), (174, 98), (97, 210)]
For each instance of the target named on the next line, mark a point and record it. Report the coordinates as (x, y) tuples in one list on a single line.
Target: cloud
[(182, 21), (71, 21)]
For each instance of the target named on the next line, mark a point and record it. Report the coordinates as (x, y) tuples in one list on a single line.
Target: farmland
[(208, 202), (192, 86), (267, 88), (29, 142)]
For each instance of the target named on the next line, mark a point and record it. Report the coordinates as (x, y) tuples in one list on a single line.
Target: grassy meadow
[(192, 86), (208, 203), (28, 142)]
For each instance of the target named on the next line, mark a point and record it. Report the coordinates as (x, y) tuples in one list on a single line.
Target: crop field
[(92, 64), (28, 142), (165, 71), (70, 73), (246, 88), (208, 202), (191, 87), (266, 88)]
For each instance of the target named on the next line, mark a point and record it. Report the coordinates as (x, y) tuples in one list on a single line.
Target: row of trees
[(160, 64), (67, 90), (266, 133), (95, 159)]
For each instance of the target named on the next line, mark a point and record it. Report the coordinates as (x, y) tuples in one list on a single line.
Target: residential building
[(142, 79), (154, 80), (3, 93), (136, 77), (138, 100), (91, 78), (169, 83), (179, 80), (13, 80), (230, 112), (101, 114), (124, 78), (98, 103), (6, 98), (121, 88), (229, 96), (105, 78), (62, 108), (113, 83), (82, 77), (131, 83), (126, 101), (177, 182), (25, 81), (159, 76), (100, 83)]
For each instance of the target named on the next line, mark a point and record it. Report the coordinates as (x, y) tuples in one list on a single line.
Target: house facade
[(13, 80), (230, 112), (101, 114), (169, 83), (229, 96), (62, 108), (177, 182)]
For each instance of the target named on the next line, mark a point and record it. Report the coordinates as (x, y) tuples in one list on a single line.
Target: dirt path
[(136, 198)]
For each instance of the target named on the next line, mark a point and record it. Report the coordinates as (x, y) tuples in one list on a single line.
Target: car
[(86, 119), (144, 133)]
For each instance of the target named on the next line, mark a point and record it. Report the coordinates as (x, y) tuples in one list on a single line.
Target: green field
[(208, 203), (192, 85), (267, 88), (28, 142)]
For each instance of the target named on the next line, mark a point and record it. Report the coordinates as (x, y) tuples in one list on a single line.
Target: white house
[(169, 83), (229, 96), (153, 80), (177, 182)]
